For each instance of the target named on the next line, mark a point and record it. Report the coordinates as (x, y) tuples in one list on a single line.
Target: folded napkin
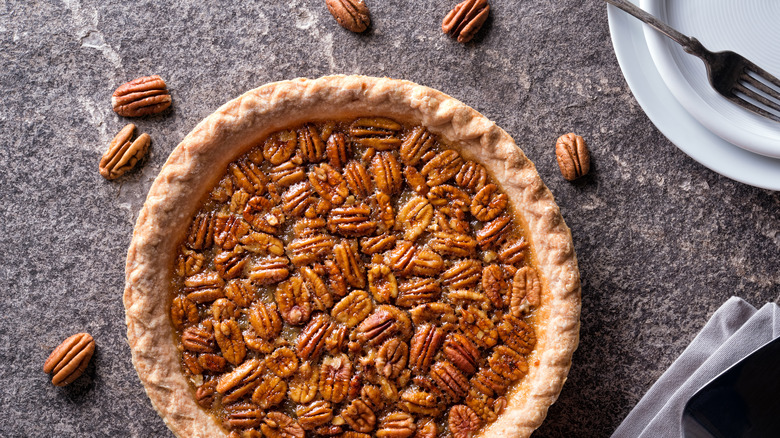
[(735, 330)]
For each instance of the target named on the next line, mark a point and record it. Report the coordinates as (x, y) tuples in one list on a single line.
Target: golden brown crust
[(201, 159)]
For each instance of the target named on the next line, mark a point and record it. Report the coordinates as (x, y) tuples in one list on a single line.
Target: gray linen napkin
[(735, 330)]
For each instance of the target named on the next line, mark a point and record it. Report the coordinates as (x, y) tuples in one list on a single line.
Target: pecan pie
[(351, 256)]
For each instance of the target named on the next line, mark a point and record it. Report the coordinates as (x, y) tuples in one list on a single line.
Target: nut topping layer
[(355, 278)]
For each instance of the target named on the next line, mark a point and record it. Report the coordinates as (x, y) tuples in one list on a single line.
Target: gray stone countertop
[(661, 241)]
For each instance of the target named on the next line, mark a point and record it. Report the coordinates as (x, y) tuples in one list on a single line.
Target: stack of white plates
[(672, 87)]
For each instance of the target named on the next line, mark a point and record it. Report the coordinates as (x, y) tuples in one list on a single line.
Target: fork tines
[(753, 85)]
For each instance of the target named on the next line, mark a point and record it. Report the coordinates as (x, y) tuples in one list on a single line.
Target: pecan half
[(241, 381), (462, 353), (310, 249), (313, 415), (517, 334), (526, 290), (337, 340), (293, 301), (348, 260), (372, 397), (433, 312), (453, 244), (416, 181), (427, 428), (279, 425), (184, 312), (69, 360), (283, 362), (270, 392), (513, 251), (303, 386), (465, 20), (206, 394), (213, 363), (386, 322), (449, 380), (288, 173), (573, 156), (353, 308), (328, 183), (198, 340), (310, 144), (335, 375), (442, 167), (230, 341), (359, 416), (507, 363), (472, 176), (350, 14), (382, 283), (387, 173), (425, 344), (140, 97), (358, 180), (351, 221), (377, 244), (337, 284), (269, 270), (338, 150), (231, 264), (407, 260), (248, 176), (201, 232), (318, 292), (488, 203), (463, 422), (298, 198), (391, 358), (478, 327), (223, 309), (396, 425), (462, 274), (243, 415), (189, 262), (204, 288), (382, 206), (495, 286), (492, 232), (414, 217), (228, 229), (241, 292), (417, 146), (420, 402), (450, 200), (376, 132), (122, 154), (279, 147), (311, 339), (415, 291), (265, 320)]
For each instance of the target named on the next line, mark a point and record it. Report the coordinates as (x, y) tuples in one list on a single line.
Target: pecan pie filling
[(358, 277)]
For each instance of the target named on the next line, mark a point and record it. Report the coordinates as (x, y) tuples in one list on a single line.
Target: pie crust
[(200, 160)]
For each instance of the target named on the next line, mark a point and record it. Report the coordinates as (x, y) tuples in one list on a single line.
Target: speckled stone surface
[(661, 240)]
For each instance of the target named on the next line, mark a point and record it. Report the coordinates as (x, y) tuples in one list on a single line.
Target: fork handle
[(689, 44)]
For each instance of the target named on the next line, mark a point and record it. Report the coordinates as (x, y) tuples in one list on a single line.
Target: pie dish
[(372, 233)]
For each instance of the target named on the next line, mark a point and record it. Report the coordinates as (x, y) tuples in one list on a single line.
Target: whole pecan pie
[(351, 256)]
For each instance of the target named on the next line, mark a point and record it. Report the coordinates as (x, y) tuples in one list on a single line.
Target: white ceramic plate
[(748, 27), (673, 120)]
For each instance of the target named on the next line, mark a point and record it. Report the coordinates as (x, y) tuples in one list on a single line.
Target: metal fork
[(730, 74)]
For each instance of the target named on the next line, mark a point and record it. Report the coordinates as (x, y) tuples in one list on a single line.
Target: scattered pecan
[(311, 339), (348, 261), (140, 97), (425, 344), (573, 156), (463, 274), (442, 167), (279, 147), (184, 312), (230, 340), (488, 203), (407, 260), (507, 363), (201, 232), (206, 394), (337, 340), (213, 363), (494, 285), (417, 146), (453, 244), (122, 154), (478, 327), (358, 180), (492, 232), (420, 402), (526, 291), (350, 14), (465, 20), (288, 173), (319, 293), (223, 309), (283, 362), (463, 422), (189, 262), (69, 360), (241, 292), (517, 334), (377, 244), (372, 397), (450, 200), (293, 301), (279, 425), (338, 150), (303, 386), (472, 176), (489, 382), (190, 361), (228, 229), (265, 320), (310, 144), (310, 249), (433, 312), (449, 380), (313, 415), (243, 415), (427, 428), (414, 217), (416, 181), (382, 206), (351, 221), (241, 381), (359, 416), (335, 375), (462, 353), (248, 176), (198, 340), (387, 173), (269, 270), (416, 291), (391, 358), (298, 198), (353, 308), (376, 132), (386, 321), (309, 227), (396, 425), (513, 251), (270, 392), (231, 264), (382, 283), (328, 183)]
